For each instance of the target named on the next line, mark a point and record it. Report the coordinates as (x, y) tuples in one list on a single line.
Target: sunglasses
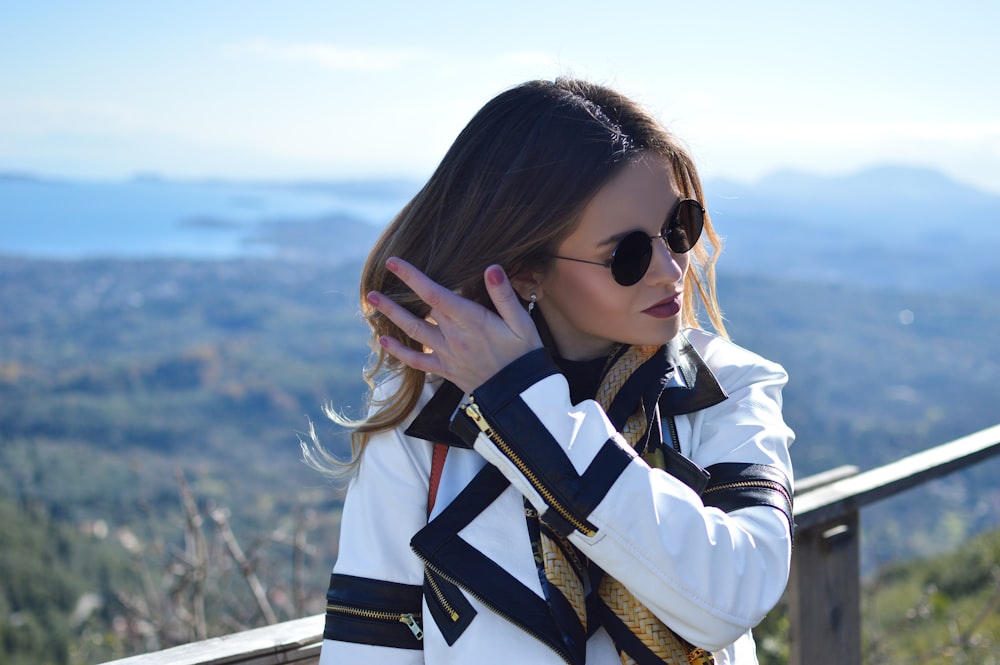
[(631, 258)]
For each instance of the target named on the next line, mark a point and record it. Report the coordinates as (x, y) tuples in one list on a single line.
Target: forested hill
[(134, 366), (114, 373)]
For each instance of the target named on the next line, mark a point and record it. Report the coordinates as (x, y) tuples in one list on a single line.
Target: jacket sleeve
[(707, 574), (374, 601)]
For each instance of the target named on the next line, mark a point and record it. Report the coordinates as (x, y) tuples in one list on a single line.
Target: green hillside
[(116, 373)]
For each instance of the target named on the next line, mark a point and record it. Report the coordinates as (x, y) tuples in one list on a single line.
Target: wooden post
[(824, 594)]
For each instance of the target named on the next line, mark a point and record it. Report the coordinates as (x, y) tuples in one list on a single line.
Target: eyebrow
[(615, 239)]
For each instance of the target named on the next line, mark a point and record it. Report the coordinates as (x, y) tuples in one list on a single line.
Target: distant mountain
[(887, 226)]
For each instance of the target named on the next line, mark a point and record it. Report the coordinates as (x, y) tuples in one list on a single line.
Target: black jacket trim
[(624, 639), (685, 470), (431, 424), (565, 617), (701, 390), (645, 384), (534, 447), (446, 553), (362, 610), (512, 380), (735, 485), (459, 613)]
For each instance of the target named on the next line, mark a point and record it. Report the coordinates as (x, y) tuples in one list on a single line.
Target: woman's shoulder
[(390, 388), (728, 360), (391, 448)]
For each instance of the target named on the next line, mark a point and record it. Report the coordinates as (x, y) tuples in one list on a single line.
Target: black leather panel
[(735, 485), (364, 595), (448, 606), (446, 553)]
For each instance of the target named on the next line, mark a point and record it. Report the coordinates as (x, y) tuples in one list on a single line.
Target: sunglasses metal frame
[(646, 256)]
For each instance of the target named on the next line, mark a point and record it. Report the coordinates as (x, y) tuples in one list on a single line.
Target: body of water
[(151, 217)]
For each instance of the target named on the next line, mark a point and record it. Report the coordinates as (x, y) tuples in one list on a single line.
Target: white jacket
[(710, 572)]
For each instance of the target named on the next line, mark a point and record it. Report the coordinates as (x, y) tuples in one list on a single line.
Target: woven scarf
[(568, 573)]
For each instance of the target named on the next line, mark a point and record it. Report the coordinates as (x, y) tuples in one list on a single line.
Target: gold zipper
[(402, 617), (764, 484), (472, 410), (698, 656), (441, 599), (495, 610)]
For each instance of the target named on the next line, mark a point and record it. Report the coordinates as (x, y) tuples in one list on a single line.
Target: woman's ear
[(525, 283)]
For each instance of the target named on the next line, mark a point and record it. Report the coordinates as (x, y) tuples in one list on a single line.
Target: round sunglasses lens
[(631, 258), (686, 226)]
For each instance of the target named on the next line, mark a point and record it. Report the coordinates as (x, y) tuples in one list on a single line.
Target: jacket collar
[(431, 423), (691, 386), (686, 384)]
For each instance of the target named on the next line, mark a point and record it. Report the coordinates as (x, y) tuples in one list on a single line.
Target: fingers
[(462, 341), (438, 297), (417, 329), (507, 303), (412, 326), (425, 362)]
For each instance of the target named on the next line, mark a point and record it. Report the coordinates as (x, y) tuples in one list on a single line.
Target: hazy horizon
[(315, 90)]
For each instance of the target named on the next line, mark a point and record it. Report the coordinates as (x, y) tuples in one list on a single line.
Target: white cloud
[(330, 56)]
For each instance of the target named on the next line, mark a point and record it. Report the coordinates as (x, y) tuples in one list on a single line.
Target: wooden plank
[(289, 642), (823, 478), (302, 656), (824, 597), (845, 496)]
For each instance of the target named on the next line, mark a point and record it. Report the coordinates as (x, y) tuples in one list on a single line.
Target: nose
[(665, 267)]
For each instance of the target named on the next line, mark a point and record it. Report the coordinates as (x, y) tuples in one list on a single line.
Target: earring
[(531, 305)]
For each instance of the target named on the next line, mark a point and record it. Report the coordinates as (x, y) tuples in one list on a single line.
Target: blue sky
[(330, 89)]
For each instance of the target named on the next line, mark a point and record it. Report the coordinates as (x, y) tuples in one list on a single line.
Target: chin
[(661, 335)]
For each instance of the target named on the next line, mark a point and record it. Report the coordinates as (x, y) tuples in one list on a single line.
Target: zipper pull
[(472, 410), (412, 624), (700, 657)]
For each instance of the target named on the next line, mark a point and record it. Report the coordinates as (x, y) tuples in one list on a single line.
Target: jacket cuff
[(734, 485), (510, 435), (516, 377), (376, 612), (501, 388)]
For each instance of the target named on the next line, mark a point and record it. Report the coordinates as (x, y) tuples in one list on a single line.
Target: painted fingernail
[(495, 275), (383, 342), (373, 299), (392, 265)]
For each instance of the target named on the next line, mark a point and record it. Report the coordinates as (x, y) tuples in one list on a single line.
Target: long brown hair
[(509, 190)]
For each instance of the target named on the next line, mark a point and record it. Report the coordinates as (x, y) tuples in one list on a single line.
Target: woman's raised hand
[(464, 342)]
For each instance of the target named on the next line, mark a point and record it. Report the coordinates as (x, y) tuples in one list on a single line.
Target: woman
[(558, 465)]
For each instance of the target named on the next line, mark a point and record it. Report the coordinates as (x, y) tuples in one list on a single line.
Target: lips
[(666, 308)]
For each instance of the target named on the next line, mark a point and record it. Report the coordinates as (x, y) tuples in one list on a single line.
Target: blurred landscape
[(160, 335)]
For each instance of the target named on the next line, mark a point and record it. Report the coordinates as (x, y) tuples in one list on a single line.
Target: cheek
[(581, 295)]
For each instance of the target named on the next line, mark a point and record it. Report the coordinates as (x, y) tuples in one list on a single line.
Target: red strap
[(437, 465)]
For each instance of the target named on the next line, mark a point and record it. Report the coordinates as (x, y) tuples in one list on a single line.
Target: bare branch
[(221, 519)]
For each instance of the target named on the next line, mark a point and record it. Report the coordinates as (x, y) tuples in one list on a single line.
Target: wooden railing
[(823, 593)]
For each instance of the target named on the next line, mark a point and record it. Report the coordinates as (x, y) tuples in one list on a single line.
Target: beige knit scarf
[(566, 568)]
